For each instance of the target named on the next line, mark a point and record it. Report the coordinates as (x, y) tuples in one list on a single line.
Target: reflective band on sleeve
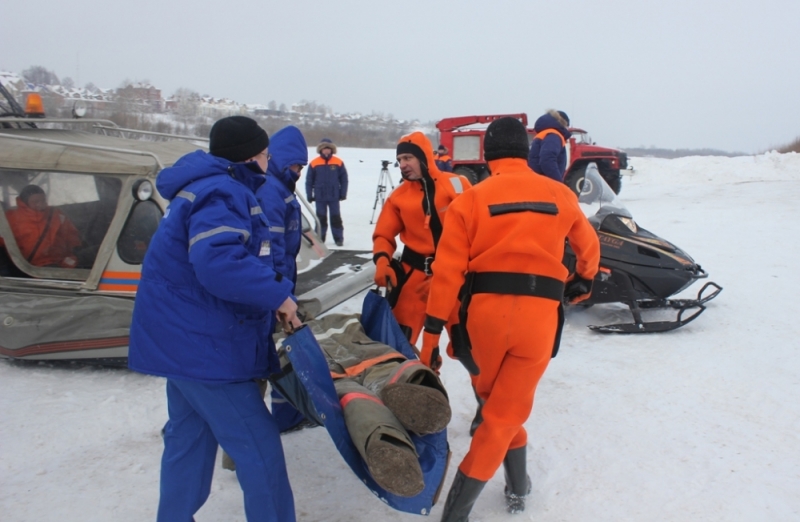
[(289, 199), (277, 229), (355, 396), (456, 181), (254, 211), (218, 230), (186, 195), (403, 367)]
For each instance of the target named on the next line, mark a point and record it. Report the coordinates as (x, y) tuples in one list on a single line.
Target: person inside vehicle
[(45, 236), (511, 284)]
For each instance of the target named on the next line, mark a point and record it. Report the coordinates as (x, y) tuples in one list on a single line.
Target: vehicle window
[(137, 232), (58, 219), (466, 148)]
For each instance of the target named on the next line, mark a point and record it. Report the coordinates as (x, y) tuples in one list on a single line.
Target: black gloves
[(577, 289)]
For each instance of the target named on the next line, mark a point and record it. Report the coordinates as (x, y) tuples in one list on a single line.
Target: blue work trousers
[(337, 229), (233, 415)]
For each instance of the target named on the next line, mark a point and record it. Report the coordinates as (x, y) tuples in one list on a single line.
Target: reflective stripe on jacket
[(205, 305), (277, 197)]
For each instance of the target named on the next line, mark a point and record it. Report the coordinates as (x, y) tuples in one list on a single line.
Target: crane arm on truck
[(450, 124)]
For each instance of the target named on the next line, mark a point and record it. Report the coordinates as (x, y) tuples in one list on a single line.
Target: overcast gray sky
[(674, 74)]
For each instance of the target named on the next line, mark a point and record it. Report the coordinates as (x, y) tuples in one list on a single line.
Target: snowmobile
[(637, 267)]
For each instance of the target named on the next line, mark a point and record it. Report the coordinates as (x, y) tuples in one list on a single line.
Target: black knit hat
[(564, 115), (406, 147), (237, 138), (505, 138)]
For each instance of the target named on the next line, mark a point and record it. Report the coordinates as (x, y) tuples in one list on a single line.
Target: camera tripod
[(380, 192)]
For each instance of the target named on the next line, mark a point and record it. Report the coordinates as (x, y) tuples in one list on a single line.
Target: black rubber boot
[(463, 494), (518, 483)]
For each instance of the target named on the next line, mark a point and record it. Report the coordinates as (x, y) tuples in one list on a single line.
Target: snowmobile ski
[(682, 305)]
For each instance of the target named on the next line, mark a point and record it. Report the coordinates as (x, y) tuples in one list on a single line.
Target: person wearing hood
[(414, 211), (205, 310), (288, 156), (501, 256), (326, 185), (548, 152)]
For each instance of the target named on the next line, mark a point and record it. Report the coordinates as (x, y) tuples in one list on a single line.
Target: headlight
[(143, 190)]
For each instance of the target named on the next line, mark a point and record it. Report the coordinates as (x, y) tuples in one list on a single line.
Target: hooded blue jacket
[(205, 304), (277, 197), (548, 156)]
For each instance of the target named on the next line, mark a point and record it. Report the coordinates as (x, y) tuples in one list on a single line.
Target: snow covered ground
[(697, 424)]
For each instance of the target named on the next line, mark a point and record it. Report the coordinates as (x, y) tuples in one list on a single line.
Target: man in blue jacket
[(204, 313), (326, 183), (548, 153), (289, 154)]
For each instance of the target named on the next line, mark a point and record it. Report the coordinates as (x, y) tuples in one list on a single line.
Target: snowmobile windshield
[(598, 201)]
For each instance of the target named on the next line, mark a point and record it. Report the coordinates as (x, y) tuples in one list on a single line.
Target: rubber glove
[(430, 351), (577, 289), (384, 273)]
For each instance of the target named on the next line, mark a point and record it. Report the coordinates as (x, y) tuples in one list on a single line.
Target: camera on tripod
[(384, 179)]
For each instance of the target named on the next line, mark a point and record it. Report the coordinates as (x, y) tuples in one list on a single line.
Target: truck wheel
[(468, 173), (613, 179), (579, 185)]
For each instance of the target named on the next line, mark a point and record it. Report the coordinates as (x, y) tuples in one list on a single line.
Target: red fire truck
[(463, 137)]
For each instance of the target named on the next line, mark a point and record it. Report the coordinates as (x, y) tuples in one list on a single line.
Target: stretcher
[(308, 384)]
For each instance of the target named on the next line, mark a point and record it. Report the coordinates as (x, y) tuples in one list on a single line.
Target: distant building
[(143, 93)]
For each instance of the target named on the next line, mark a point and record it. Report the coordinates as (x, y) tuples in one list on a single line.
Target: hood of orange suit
[(420, 140)]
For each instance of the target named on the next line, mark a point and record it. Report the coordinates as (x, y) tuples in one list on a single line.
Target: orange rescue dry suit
[(44, 238), (515, 223), (415, 211)]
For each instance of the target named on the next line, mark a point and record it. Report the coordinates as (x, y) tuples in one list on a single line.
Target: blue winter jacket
[(287, 147), (548, 156), (205, 304), (326, 180)]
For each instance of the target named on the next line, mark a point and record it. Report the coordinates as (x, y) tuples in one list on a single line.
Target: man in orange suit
[(414, 211), (502, 247)]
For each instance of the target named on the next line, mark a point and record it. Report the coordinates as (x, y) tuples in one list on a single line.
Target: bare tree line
[(186, 112)]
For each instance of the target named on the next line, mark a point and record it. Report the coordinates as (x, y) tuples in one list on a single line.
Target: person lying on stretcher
[(384, 396)]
